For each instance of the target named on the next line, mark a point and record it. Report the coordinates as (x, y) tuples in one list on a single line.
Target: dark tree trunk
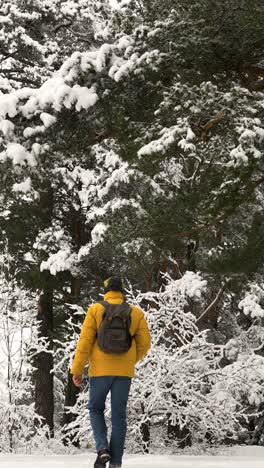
[(145, 433), (192, 247), (71, 395), (44, 399), (174, 431), (145, 430), (44, 388), (71, 391), (182, 435)]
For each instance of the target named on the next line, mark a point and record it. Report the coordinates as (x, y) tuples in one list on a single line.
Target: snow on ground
[(237, 457)]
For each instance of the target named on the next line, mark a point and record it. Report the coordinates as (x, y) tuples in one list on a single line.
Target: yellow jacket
[(101, 363)]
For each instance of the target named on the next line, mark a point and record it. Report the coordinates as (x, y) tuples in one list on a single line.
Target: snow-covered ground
[(238, 457)]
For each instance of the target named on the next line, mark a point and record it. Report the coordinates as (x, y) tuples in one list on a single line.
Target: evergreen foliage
[(131, 141)]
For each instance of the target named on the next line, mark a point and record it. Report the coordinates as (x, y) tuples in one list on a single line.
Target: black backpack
[(113, 335)]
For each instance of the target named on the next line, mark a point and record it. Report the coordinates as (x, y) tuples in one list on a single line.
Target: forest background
[(132, 141)]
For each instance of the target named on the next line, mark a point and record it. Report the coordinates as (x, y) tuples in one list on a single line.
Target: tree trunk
[(44, 398), (44, 387), (71, 395), (72, 392), (182, 435), (175, 431), (145, 431)]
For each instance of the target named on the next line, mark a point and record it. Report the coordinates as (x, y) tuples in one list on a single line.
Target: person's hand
[(77, 380)]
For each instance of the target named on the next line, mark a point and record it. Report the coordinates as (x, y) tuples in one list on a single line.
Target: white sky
[(238, 457)]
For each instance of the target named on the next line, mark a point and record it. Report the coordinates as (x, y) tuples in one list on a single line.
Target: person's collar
[(115, 296)]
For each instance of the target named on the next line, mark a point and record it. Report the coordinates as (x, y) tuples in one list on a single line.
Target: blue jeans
[(119, 388)]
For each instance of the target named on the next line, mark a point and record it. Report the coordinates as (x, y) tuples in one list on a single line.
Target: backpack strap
[(126, 310), (106, 306), (104, 303)]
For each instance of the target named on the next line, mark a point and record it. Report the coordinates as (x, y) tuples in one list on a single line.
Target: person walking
[(113, 338)]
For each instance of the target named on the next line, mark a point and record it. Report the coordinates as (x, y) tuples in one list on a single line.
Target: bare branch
[(207, 311), (204, 135), (62, 25)]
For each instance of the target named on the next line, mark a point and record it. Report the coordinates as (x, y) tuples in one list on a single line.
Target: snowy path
[(243, 457)]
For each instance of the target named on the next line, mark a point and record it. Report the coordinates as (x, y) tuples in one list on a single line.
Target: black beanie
[(114, 283)]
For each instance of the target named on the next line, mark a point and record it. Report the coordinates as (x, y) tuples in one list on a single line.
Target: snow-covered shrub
[(19, 342), (253, 302), (181, 386)]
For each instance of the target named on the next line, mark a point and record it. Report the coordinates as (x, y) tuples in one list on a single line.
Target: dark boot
[(102, 459)]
